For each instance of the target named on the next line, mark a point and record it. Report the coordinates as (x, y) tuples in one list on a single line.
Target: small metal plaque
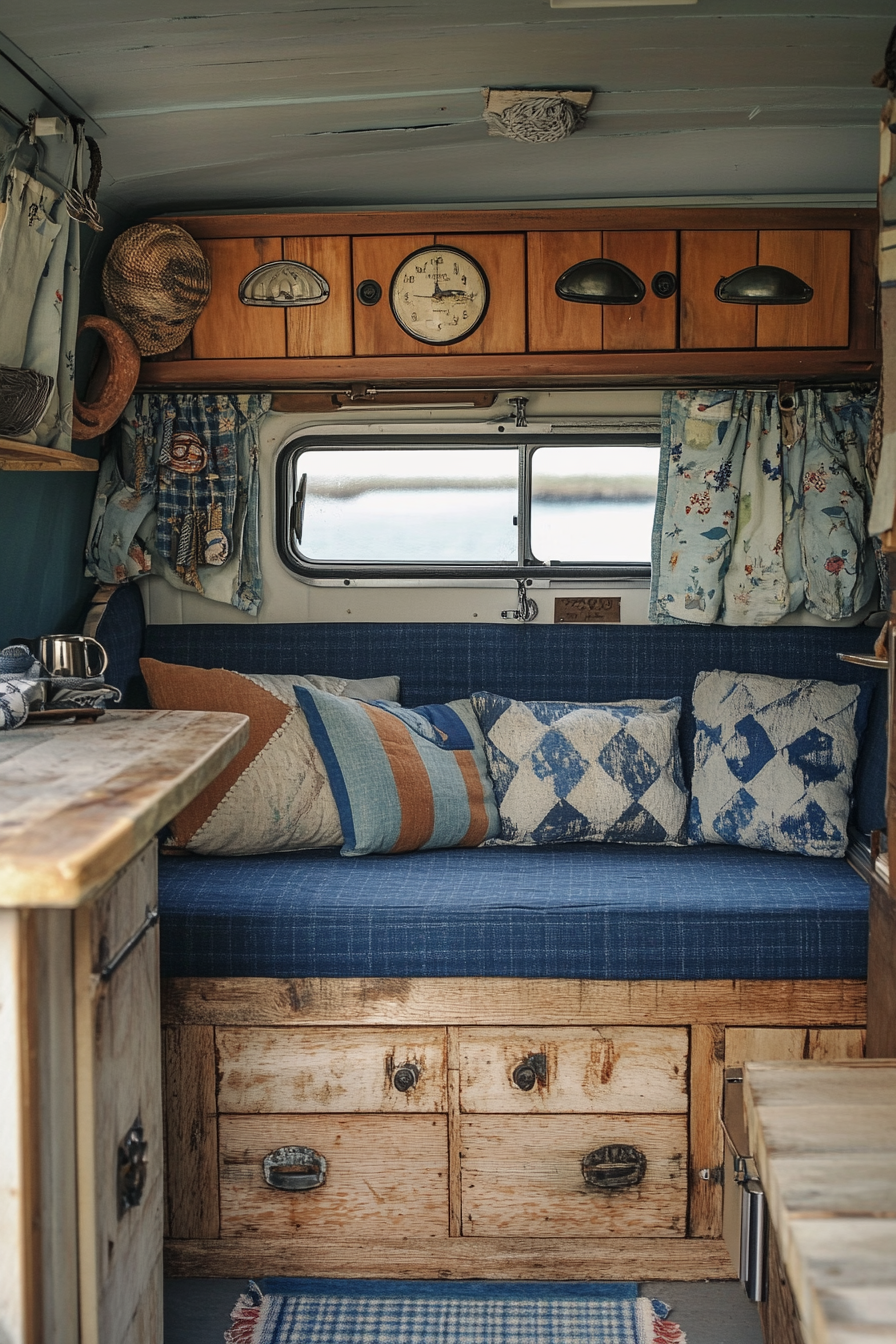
[(587, 610)]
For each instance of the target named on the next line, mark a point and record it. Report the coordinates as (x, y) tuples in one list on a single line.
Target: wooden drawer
[(586, 1069), (821, 258), (387, 1176), (707, 255), (322, 329), (226, 328), (651, 324), (555, 323), (266, 1070), (522, 1177)]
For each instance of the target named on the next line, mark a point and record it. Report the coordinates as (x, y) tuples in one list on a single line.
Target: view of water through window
[(590, 504)]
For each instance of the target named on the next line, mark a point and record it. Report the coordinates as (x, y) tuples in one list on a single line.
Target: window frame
[(432, 436)]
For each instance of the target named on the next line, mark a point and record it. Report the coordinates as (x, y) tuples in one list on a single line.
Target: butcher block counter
[(81, 1217), (823, 1136)]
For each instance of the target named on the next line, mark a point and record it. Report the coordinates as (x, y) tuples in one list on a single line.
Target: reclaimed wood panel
[(226, 328), (332, 1069), (378, 258), (821, 258), (322, 328), (118, 1052), (505, 1258), (522, 1173), (706, 256), (191, 1132), (246, 1001), (387, 1173), (881, 971), (707, 1144), (455, 1177), (590, 1070), (651, 324), (503, 259), (555, 323), (760, 1043)]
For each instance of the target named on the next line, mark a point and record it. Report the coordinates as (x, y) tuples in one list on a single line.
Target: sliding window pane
[(593, 504)]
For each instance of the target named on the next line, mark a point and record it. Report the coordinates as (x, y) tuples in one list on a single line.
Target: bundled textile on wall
[(748, 529), (40, 262), (182, 490)]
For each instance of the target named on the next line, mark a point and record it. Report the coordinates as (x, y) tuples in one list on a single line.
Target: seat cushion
[(573, 911)]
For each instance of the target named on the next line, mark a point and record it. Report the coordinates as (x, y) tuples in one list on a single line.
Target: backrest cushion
[(403, 779)]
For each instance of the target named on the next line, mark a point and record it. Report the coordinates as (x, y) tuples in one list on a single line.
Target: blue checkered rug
[(367, 1311)]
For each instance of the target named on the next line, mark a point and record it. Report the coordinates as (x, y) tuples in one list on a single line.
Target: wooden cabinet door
[(821, 258), (378, 258), (651, 324), (555, 323), (706, 256), (503, 258), (322, 328), (226, 328), (386, 1174), (118, 1080)]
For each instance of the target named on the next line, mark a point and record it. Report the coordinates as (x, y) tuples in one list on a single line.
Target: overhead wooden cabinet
[(322, 329), (227, 328), (503, 258), (651, 324), (821, 258), (377, 259), (706, 256), (555, 323)]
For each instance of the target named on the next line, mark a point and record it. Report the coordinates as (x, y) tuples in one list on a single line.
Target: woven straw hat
[(156, 282)]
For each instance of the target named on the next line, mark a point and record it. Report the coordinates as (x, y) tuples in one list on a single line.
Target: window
[(467, 507)]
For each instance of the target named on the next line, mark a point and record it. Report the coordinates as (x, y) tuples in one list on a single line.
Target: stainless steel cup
[(70, 655)]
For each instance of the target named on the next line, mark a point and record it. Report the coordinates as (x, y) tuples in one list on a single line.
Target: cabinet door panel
[(555, 323), (522, 1176), (707, 255), (322, 328), (226, 328), (821, 258), (386, 1174), (651, 324), (503, 258), (378, 258), (326, 1069), (587, 1070)]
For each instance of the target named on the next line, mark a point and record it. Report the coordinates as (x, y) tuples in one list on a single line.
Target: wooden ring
[(93, 418)]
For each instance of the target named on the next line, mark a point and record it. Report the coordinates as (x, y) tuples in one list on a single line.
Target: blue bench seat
[(573, 911)]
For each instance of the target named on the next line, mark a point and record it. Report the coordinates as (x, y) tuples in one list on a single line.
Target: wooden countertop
[(823, 1136), (79, 801)]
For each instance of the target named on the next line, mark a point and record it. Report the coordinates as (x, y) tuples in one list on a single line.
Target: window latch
[(519, 404), (525, 609)]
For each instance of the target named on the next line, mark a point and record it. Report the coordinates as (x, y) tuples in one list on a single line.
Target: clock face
[(439, 295)]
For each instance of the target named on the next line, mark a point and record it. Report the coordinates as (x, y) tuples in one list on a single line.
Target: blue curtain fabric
[(180, 496), (749, 528)]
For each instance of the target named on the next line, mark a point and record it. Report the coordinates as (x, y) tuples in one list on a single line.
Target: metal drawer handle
[(112, 965), (406, 1077), (295, 1169), (616, 1166), (534, 1069)]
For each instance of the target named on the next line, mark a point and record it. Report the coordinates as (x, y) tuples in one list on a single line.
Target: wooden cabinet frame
[(768, 1019)]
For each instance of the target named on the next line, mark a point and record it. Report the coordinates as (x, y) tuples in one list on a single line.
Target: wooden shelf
[(16, 456)]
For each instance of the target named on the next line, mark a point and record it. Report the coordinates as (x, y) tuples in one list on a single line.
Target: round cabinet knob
[(369, 292), (406, 1077), (664, 284), (533, 1069)]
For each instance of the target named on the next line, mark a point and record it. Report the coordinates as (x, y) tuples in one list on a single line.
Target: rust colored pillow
[(275, 793)]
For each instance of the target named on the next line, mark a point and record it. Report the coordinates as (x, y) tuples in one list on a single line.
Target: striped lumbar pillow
[(403, 779)]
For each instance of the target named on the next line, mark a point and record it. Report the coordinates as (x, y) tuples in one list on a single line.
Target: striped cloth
[(403, 779), (493, 1313)]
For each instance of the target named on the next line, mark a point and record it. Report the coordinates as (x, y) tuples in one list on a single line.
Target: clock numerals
[(439, 296)]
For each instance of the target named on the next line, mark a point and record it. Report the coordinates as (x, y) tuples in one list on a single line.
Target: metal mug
[(69, 655)]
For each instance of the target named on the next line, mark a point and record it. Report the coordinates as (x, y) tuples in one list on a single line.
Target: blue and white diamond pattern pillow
[(773, 762), (564, 771)]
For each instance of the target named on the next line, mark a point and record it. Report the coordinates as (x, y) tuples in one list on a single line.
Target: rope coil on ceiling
[(538, 121)]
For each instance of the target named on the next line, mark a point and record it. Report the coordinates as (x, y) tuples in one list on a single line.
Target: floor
[(197, 1311)]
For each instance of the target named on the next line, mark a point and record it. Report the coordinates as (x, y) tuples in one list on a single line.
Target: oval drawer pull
[(406, 1077), (295, 1169), (534, 1069), (616, 1166)]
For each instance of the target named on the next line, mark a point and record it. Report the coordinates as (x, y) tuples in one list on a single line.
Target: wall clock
[(439, 295)]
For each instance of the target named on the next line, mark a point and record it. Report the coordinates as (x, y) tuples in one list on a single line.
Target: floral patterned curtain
[(179, 497), (748, 528)]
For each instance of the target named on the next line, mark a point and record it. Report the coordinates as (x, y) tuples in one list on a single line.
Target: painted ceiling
[(309, 104)]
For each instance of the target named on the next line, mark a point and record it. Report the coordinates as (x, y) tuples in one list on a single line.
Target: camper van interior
[(447, 489)]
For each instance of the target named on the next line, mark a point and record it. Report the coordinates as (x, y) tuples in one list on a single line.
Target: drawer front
[(581, 1069), (387, 1175), (522, 1177), (267, 1070)]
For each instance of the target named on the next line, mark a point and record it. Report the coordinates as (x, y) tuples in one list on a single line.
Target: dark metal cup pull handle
[(131, 1173), (295, 1169), (406, 1077), (534, 1069), (617, 1166)]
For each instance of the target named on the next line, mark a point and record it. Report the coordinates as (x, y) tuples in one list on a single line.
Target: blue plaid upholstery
[(604, 912)]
